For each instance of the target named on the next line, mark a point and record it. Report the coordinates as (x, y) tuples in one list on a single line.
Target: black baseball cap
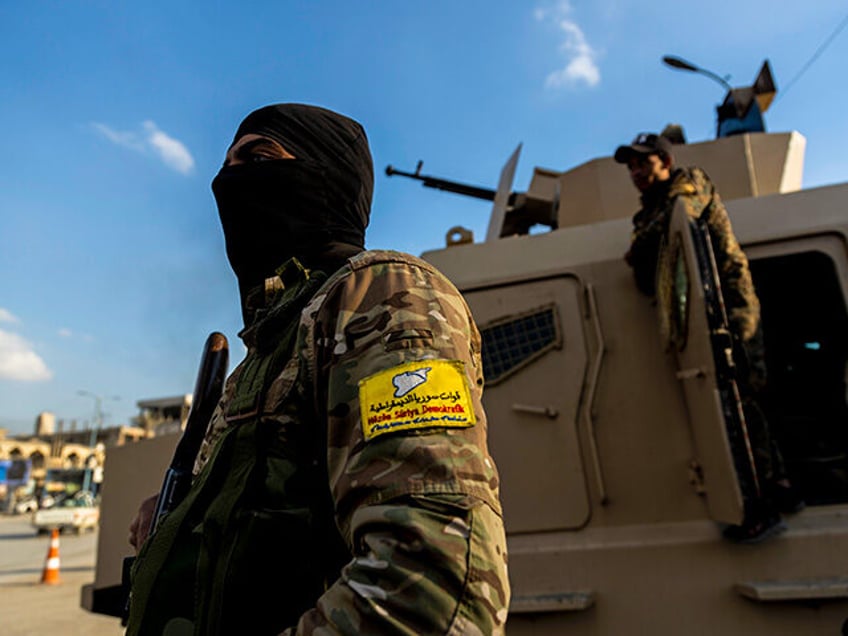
[(643, 144)]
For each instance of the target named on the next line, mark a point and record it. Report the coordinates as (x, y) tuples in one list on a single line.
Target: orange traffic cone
[(51, 564)]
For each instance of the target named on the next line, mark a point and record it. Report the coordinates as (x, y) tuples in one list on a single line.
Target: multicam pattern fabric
[(650, 226), (418, 510)]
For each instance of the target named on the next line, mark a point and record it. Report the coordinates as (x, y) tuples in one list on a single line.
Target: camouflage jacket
[(385, 381), (650, 227)]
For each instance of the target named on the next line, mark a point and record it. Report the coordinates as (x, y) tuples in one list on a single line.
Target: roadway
[(30, 608)]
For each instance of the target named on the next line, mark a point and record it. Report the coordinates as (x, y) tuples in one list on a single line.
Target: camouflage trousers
[(767, 456), (752, 378)]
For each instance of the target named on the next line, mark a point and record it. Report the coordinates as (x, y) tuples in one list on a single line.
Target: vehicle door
[(694, 326), (535, 362)]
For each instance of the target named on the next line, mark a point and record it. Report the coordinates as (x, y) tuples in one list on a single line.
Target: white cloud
[(170, 150), (7, 316), (65, 332), (126, 139), (581, 65), (19, 362), (150, 139)]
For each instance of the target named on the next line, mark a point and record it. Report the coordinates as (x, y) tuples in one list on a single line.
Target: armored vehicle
[(608, 411)]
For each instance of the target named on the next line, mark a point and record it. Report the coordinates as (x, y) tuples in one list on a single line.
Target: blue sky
[(115, 116)]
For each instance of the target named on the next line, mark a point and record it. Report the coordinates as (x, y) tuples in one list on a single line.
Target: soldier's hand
[(140, 526)]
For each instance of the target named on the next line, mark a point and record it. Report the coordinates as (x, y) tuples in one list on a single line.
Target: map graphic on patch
[(408, 380)]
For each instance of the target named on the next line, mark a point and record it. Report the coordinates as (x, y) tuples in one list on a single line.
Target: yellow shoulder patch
[(415, 395)]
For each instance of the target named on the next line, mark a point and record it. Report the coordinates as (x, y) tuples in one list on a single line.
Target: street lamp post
[(683, 65), (98, 424), (742, 109)]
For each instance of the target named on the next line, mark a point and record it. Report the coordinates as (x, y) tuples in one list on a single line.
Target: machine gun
[(428, 181), (520, 211)]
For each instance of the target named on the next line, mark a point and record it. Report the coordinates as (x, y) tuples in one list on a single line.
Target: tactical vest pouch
[(218, 568), (256, 558), (171, 556), (246, 521)]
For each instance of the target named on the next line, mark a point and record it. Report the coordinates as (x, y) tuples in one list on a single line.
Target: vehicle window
[(511, 343), (805, 325)]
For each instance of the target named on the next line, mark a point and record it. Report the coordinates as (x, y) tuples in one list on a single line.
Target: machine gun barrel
[(443, 184)]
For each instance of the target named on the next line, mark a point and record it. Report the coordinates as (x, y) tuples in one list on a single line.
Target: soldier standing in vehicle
[(661, 184), (345, 485)]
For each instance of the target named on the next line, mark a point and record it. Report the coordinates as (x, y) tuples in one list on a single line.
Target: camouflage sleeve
[(418, 506), (737, 286)]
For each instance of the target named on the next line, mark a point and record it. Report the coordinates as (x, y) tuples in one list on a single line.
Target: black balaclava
[(314, 207)]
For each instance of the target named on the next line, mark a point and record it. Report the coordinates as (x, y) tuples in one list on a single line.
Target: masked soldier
[(344, 485), (661, 185)]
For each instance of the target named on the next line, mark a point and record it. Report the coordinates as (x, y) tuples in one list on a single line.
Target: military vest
[(260, 511)]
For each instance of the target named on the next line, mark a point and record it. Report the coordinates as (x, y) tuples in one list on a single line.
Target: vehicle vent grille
[(513, 342)]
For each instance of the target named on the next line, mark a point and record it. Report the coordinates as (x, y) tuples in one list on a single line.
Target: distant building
[(65, 449), (55, 446), (45, 424), (162, 416)]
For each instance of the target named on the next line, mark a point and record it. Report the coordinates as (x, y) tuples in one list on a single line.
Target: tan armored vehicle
[(619, 467)]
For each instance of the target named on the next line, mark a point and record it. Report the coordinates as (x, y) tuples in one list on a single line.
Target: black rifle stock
[(207, 391)]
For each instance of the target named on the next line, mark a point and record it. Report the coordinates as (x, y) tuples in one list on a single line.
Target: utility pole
[(98, 424)]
